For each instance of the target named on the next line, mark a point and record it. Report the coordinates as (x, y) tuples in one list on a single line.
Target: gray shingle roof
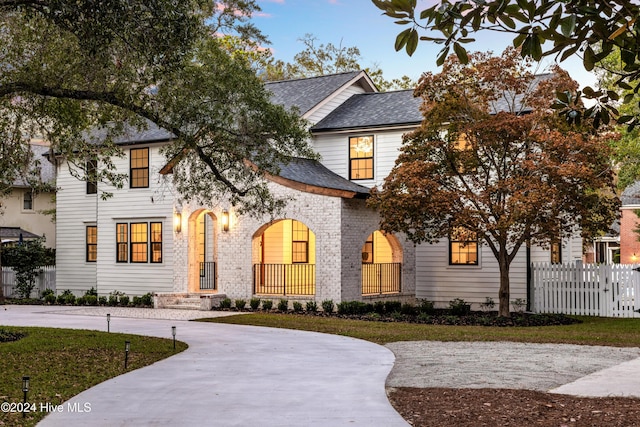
[(304, 94), (631, 195), (47, 170), (13, 234), (312, 172), (133, 135), (374, 110)]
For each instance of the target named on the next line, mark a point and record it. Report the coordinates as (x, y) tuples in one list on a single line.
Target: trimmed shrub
[(102, 300), (91, 291), (113, 300), (147, 299), (50, 299), (136, 301), (124, 300), (240, 304), (327, 306), (426, 306), (80, 301), (459, 307), (312, 306), (354, 307), (283, 305), (408, 309), (378, 307), (91, 299), (254, 303), (392, 307), (225, 303), (267, 305)]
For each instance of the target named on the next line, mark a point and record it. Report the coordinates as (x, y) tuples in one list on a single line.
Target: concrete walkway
[(230, 376)]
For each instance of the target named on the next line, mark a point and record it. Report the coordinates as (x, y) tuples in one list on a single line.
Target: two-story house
[(326, 245)]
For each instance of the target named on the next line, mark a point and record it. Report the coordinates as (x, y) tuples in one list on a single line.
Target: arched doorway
[(203, 252), (381, 264), (284, 258)]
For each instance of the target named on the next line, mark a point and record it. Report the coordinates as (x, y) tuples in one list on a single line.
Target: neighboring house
[(327, 244), (28, 212), (629, 222)]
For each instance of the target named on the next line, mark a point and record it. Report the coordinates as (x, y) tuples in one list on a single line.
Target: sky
[(359, 23)]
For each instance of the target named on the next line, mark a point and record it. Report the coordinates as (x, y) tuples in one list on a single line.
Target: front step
[(184, 301)]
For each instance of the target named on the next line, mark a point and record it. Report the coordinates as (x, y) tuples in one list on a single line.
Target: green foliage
[(254, 303), (392, 307), (408, 309), (426, 306), (240, 304), (123, 301), (81, 301), (102, 300), (488, 304), (378, 307), (91, 291), (50, 299), (283, 305), (596, 30), (459, 307), (327, 306), (47, 292), (91, 300), (225, 303), (297, 306), (147, 299), (267, 305), (312, 306), (354, 308), (26, 259)]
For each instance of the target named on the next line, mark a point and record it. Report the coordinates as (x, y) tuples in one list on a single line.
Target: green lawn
[(592, 330), (63, 362)]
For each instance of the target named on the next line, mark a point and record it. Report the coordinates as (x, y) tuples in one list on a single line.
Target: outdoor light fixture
[(177, 222), (225, 220), (173, 332), (25, 390), (127, 347), (108, 321)]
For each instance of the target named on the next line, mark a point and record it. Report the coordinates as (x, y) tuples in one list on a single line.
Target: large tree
[(491, 162), (593, 29), (70, 67)]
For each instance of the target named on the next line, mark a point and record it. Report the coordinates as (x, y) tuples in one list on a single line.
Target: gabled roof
[(132, 134), (316, 178), (13, 234), (371, 110), (305, 94)]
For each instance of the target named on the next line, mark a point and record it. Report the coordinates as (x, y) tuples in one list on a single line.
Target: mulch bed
[(444, 407)]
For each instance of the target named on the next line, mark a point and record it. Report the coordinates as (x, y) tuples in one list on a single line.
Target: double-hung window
[(361, 157), (139, 168), (92, 243), (27, 200), (300, 243), (463, 247)]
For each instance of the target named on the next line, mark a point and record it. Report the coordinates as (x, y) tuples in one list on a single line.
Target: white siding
[(333, 102), (76, 210), (440, 282)]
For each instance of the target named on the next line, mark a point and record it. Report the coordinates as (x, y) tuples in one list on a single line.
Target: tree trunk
[(503, 262)]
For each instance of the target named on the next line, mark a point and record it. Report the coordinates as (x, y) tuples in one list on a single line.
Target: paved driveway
[(231, 376)]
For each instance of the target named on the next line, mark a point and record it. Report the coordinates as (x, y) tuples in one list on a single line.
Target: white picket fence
[(587, 289), (46, 280)]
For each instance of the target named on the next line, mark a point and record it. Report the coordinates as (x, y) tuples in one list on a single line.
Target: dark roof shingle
[(312, 172)]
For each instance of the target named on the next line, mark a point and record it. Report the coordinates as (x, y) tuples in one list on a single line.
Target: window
[(361, 157), (156, 242), (139, 242), (122, 242), (90, 173), (367, 250), (300, 243), (462, 149), (27, 202), (139, 165), (556, 252), (92, 243), (463, 247)]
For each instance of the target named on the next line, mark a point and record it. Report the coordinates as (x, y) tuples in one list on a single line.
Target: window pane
[(156, 242), (28, 201), (361, 157), (92, 243), (300, 252), (139, 165), (122, 246), (139, 242), (463, 247)]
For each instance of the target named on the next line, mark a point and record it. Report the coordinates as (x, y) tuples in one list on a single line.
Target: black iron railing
[(383, 278), (207, 275), (284, 279)]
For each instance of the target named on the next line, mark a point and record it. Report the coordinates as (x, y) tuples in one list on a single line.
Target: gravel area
[(541, 367)]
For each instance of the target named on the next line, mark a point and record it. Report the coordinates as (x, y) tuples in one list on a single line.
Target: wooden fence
[(607, 290), (46, 280)]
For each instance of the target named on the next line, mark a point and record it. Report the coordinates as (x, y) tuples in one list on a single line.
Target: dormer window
[(361, 157)]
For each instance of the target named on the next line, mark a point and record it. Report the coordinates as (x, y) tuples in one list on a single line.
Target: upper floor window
[(361, 157), (92, 243), (463, 247), (300, 243), (27, 200), (139, 168), (462, 148), (91, 171)]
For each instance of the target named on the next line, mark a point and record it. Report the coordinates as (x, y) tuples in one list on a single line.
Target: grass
[(592, 331), (63, 362)]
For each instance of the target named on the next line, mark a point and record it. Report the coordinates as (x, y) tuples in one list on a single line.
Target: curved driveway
[(230, 376)]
